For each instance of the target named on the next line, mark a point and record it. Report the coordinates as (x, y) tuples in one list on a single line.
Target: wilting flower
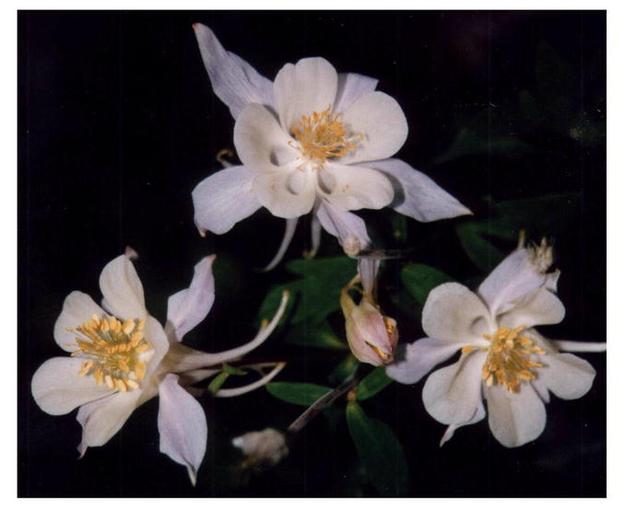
[(372, 336), (121, 356), (504, 359), (313, 140), (262, 448)]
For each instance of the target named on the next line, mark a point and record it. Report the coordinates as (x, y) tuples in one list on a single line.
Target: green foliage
[(379, 450), (420, 279), (372, 384), (218, 382), (314, 296), (549, 215), (297, 393), (344, 369)]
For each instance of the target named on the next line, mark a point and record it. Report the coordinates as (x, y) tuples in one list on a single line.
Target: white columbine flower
[(313, 140), (504, 359), (121, 357)]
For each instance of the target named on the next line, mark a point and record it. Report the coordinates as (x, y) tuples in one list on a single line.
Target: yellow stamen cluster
[(112, 350), (322, 136), (509, 361)]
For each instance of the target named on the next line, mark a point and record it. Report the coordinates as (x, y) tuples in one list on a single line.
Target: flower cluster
[(320, 142)]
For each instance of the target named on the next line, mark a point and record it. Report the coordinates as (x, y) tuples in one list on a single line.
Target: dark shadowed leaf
[(420, 279), (298, 393), (379, 451), (372, 384)]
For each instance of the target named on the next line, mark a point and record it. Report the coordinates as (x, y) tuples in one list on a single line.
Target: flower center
[(323, 136), (509, 360), (113, 351)]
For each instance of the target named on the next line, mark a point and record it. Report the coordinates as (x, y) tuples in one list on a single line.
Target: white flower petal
[(355, 187), (275, 191), (122, 289), (415, 360), (480, 413), (451, 395), (182, 426), (289, 232), (224, 198), (78, 308), (515, 418), (261, 143), (368, 267), (304, 88), (380, 120), (156, 337), (453, 312), (542, 308), (417, 195), (569, 377), (351, 87), (350, 229), (234, 80), (58, 388), (188, 307), (514, 279), (102, 419)]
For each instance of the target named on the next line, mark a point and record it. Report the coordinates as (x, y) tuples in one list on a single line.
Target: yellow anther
[(509, 361), (323, 136), (112, 351)]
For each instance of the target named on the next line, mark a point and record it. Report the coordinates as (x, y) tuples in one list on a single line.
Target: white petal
[(101, 419), (78, 308), (276, 192), (355, 187), (234, 80), (379, 119), (122, 289), (58, 388), (261, 143), (155, 335), (304, 88), (368, 267), (453, 312), (480, 413), (350, 88), (417, 195), (415, 360), (451, 395), (224, 198), (289, 231), (542, 308), (182, 426), (569, 377), (514, 279), (188, 307), (350, 229), (515, 418)]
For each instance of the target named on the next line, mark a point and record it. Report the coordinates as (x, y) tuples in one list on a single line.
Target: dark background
[(118, 123)]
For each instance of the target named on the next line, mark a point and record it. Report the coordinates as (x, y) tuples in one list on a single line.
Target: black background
[(118, 123)]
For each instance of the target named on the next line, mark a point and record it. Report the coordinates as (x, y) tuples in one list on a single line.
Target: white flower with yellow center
[(313, 140), (503, 358), (120, 357)]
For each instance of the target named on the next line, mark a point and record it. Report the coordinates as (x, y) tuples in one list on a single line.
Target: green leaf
[(314, 334), (420, 279), (344, 369), (373, 383), (480, 250), (379, 450), (298, 393), (217, 383)]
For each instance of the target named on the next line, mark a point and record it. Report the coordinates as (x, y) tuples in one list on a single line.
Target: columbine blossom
[(262, 448), (371, 335), (121, 356), (311, 140), (504, 359)]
